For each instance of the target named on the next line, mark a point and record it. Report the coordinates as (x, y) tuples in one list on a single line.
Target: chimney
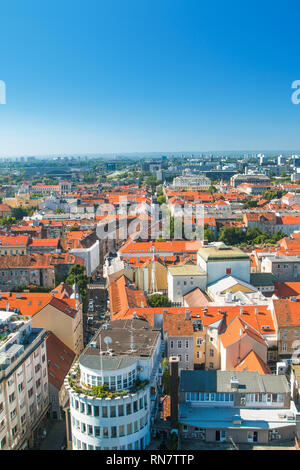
[(174, 384)]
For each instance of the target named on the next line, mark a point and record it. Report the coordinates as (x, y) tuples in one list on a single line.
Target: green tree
[(158, 300), (19, 212), (161, 199), (208, 234), (77, 274), (212, 189), (231, 235), (248, 204)]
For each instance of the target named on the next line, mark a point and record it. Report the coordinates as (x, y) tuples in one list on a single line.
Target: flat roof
[(222, 252), (186, 270), (224, 417), (129, 340), (213, 381)]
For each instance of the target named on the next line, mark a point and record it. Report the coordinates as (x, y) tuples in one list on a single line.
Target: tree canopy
[(158, 300)]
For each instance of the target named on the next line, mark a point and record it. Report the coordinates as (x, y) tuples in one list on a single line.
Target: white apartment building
[(198, 183), (90, 255), (24, 398), (113, 388)]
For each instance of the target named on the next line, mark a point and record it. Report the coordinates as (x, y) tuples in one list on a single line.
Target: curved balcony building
[(113, 387)]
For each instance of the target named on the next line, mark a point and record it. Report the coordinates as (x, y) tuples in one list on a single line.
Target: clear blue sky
[(113, 76)]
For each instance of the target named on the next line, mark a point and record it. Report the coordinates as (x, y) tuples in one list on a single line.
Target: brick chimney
[(174, 383)]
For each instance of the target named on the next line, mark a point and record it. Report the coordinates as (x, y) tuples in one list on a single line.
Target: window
[(171, 344), (104, 411), (211, 353), (121, 410), (187, 344), (179, 344), (121, 431), (114, 431), (112, 411), (128, 409), (199, 341), (186, 358)]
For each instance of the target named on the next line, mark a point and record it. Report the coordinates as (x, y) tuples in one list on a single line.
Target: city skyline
[(110, 77)]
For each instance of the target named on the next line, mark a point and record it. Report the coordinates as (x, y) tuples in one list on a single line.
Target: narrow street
[(56, 436)]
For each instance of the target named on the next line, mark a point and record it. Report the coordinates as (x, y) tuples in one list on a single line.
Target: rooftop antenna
[(132, 345)]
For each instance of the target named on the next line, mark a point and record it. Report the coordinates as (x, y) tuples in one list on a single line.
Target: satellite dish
[(107, 340)]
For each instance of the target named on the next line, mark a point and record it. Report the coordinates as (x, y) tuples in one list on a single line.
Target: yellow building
[(206, 348), (142, 273), (22, 200)]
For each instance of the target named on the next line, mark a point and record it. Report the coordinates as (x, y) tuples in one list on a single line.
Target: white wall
[(91, 257)]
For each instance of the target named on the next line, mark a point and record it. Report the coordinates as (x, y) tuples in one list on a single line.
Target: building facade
[(24, 397), (113, 388)]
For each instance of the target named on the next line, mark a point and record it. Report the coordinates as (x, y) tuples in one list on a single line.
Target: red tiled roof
[(253, 363), (237, 329), (287, 312), (14, 241), (60, 359)]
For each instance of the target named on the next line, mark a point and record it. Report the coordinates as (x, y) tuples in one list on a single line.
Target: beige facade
[(13, 250), (143, 276), (67, 328), (207, 348), (288, 341), (22, 200)]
